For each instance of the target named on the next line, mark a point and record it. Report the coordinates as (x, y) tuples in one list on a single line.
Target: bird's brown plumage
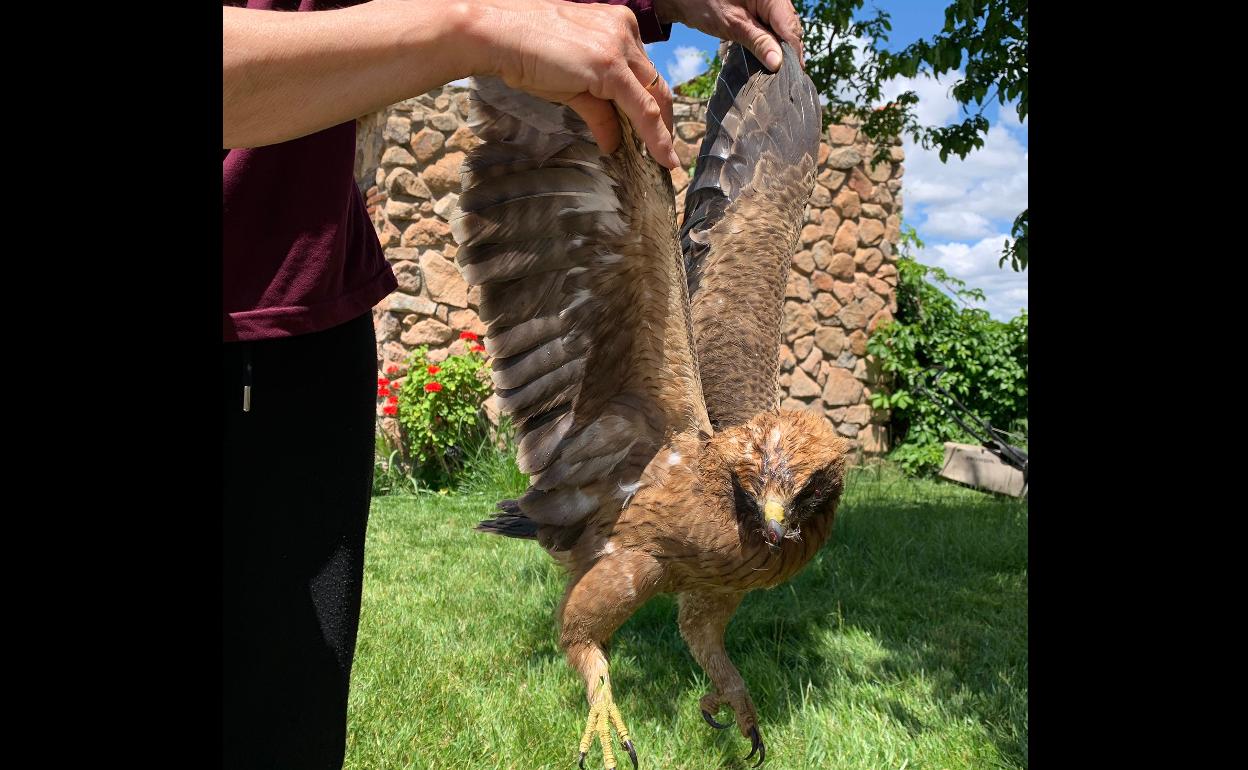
[(647, 418), (743, 216)]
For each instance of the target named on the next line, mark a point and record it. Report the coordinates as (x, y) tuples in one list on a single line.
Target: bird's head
[(784, 468)]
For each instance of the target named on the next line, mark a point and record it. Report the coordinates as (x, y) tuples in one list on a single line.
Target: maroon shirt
[(652, 31), (299, 254)]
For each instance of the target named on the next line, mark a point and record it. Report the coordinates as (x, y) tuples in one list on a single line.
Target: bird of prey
[(640, 364)]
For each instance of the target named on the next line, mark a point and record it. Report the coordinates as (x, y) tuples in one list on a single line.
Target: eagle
[(639, 364)]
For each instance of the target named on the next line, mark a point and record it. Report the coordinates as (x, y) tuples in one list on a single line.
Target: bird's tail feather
[(510, 522)]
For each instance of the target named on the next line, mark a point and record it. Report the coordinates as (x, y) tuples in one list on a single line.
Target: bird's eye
[(814, 493), (745, 503)]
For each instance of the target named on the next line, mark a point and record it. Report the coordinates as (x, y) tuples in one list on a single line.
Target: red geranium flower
[(383, 391), (467, 336), (382, 381), (478, 348), (393, 400), (433, 387), (391, 410), (392, 369), (435, 369)]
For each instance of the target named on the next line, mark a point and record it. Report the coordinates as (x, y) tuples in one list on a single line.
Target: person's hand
[(584, 56), (744, 21)]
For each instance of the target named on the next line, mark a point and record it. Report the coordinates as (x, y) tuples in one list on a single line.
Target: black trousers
[(298, 478)]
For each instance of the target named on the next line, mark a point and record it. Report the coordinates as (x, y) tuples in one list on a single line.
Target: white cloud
[(989, 185), (859, 45), (960, 208), (1006, 290), (936, 106), (1008, 116), (991, 182), (961, 225), (919, 190), (689, 63)]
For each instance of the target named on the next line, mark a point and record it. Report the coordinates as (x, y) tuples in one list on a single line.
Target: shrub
[(986, 362), (440, 409), (390, 476)]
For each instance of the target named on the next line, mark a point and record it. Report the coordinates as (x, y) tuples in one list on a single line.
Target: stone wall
[(842, 284)]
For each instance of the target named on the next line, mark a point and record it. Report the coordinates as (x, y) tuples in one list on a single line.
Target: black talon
[(582, 762), (632, 753), (710, 720), (758, 746)]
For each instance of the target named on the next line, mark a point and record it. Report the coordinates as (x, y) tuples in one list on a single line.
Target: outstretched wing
[(743, 216), (584, 297)]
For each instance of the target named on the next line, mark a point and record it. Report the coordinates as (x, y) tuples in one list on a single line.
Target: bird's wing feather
[(743, 216), (583, 293)]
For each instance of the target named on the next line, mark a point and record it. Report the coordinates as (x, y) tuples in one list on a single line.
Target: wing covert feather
[(743, 218)]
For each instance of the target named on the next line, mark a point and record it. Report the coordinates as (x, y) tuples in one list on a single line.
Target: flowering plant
[(388, 389), (440, 409)]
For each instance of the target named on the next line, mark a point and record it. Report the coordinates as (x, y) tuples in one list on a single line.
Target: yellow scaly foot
[(601, 709)]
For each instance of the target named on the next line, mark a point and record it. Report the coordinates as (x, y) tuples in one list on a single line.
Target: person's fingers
[(625, 83), (782, 18), (758, 39), (609, 61), (642, 108), (648, 75), (663, 95), (646, 71), (601, 119)]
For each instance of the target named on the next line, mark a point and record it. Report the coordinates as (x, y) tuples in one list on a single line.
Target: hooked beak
[(773, 521)]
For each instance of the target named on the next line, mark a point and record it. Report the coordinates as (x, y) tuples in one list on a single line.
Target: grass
[(902, 645)]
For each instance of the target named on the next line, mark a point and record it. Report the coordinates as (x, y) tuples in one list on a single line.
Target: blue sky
[(963, 209)]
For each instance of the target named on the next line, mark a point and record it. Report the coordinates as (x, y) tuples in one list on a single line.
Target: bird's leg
[(595, 606), (703, 617)]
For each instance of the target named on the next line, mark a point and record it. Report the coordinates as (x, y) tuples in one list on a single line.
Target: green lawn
[(902, 645)]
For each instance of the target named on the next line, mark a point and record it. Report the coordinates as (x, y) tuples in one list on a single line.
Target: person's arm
[(653, 29), (286, 75), (752, 23)]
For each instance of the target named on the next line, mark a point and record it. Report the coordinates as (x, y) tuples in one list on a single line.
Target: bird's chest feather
[(737, 557), (705, 545)]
